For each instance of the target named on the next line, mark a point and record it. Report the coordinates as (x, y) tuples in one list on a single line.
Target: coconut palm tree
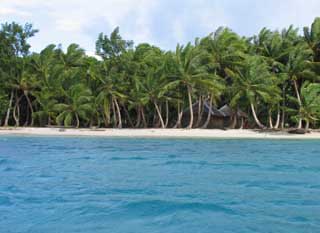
[(312, 37), (78, 106), (310, 97), (47, 102), (155, 89), (297, 69), (253, 82), (190, 71)]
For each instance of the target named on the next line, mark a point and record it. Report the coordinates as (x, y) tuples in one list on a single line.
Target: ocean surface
[(103, 185)]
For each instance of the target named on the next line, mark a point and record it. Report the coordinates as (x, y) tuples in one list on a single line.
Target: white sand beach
[(157, 133)]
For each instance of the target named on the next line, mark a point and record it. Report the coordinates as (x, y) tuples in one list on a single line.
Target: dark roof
[(224, 111), (206, 107), (214, 110), (227, 111)]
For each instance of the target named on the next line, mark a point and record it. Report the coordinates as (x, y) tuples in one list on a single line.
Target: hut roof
[(206, 107), (227, 111)]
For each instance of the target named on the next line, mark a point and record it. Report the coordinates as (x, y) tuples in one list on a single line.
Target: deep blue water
[(55, 184)]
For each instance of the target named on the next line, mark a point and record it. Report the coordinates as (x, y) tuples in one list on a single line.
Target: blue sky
[(160, 22)]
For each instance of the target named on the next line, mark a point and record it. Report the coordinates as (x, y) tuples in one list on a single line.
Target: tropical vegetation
[(272, 76)]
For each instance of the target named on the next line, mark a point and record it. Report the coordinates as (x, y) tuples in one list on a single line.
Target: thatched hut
[(233, 119), (200, 116), (222, 118)]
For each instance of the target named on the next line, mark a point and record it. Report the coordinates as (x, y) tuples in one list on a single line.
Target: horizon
[(79, 22)]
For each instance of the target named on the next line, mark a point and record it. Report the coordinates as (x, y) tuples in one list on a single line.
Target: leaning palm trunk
[(205, 125), (278, 119), (145, 123), (242, 123), (270, 120), (16, 111), (128, 115), (6, 121), (15, 116), (299, 101), (199, 112), (255, 117), (234, 121), (31, 108), (190, 106), (167, 114), (283, 114), (307, 124), (138, 122), (180, 114), (77, 120), (118, 113), (159, 114)]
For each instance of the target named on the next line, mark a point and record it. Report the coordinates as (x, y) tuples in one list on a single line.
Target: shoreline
[(156, 133)]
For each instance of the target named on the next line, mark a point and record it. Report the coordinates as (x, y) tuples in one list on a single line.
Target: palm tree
[(297, 69), (253, 82), (190, 71), (312, 37), (155, 89), (77, 107), (47, 102), (109, 95), (310, 97), (226, 49)]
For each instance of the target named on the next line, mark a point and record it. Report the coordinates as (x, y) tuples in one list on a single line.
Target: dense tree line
[(273, 76)]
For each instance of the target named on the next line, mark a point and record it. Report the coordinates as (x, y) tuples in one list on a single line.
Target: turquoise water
[(55, 185)]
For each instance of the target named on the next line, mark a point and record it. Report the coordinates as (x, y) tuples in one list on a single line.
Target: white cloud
[(6, 11), (161, 22), (69, 25)]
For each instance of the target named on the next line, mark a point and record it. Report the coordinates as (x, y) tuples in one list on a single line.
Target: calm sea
[(95, 185)]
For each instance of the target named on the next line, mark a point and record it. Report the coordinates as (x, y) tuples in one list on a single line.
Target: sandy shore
[(157, 133)]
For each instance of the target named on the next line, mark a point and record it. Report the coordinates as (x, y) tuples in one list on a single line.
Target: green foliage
[(310, 110), (273, 73)]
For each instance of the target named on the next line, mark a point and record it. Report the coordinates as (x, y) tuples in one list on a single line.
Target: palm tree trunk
[(283, 107), (16, 119), (234, 121), (299, 101), (242, 123), (167, 114), (77, 120), (138, 118), (128, 116), (16, 111), (199, 111), (205, 125), (278, 119), (159, 114), (270, 120), (6, 121), (255, 116), (31, 108), (119, 113), (190, 106), (114, 114), (180, 114), (307, 124), (145, 123), (106, 112)]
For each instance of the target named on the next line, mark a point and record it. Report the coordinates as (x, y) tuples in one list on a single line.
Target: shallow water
[(55, 184)]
